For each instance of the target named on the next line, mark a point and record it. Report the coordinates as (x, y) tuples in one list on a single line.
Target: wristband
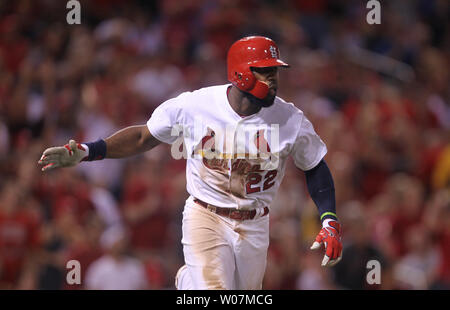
[(328, 215), (97, 150)]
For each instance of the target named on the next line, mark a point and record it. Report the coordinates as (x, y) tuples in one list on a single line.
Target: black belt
[(231, 213)]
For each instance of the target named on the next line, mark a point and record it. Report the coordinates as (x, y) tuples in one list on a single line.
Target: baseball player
[(237, 137)]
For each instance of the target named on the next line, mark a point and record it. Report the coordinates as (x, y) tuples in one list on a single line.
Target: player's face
[(268, 75)]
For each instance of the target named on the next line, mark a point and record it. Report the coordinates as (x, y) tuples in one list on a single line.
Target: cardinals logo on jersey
[(261, 144), (214, 159), (211, 157)]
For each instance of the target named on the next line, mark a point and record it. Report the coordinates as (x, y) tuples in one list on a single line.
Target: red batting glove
[(330, 236)]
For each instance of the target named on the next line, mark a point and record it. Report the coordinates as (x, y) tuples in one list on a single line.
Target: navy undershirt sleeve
[(321, 188)]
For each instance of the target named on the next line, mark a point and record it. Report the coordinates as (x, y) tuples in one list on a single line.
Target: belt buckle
[(211, 208)]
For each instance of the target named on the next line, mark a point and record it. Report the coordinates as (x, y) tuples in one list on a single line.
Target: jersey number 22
[(254, 180)]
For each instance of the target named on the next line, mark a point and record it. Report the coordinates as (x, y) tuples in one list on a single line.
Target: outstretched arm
[(130, 141), (126, 142)]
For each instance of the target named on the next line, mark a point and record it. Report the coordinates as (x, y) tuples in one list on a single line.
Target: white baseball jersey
[(235, 161)]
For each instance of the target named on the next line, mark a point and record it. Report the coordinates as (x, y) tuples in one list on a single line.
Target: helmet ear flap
[(243, 78)]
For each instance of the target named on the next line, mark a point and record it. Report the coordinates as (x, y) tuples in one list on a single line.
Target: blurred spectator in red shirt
[(19, 234), (143, 207), (408, 194)]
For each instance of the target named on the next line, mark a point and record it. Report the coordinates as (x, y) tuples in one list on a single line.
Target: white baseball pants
[(222, 253)]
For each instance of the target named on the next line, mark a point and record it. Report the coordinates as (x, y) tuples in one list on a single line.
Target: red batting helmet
[(251, 52)]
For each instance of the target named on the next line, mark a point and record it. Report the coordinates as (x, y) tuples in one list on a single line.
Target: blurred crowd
[(378, 95)]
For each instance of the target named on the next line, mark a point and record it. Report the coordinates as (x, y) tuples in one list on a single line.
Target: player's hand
[(330, 236), (63, 156)]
